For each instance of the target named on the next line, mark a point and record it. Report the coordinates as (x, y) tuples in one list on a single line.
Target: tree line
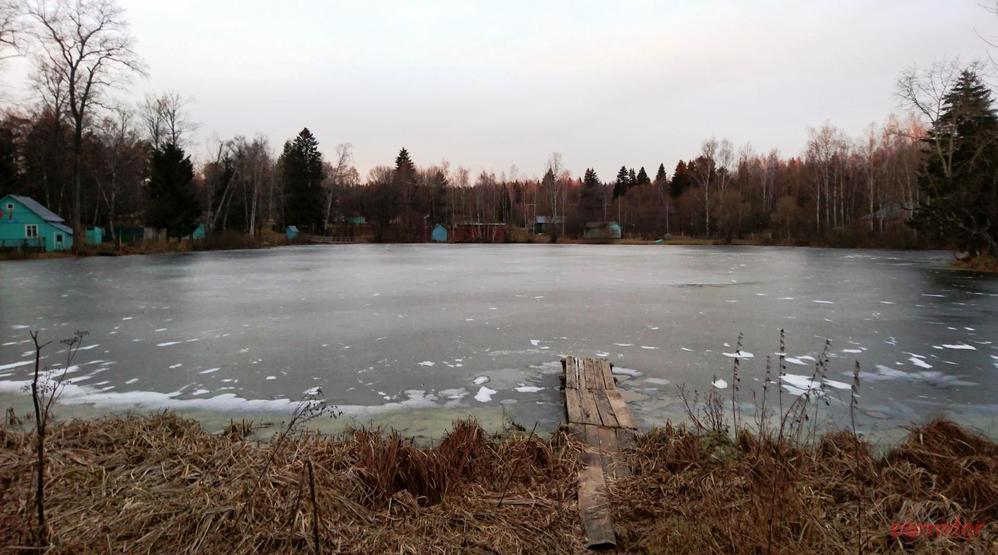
[(922, 179)]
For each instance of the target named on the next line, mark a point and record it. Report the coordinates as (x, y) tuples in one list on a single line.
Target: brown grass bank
[(162, 484)]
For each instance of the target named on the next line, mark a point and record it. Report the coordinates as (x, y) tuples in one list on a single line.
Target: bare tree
[(121, 159), (164, 118), (341, 175), (924, 89), (706, 171), (84, 47), (11, 29)]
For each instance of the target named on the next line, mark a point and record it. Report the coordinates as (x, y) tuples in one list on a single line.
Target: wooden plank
[(594, 508), (606, 412), (614, 465), (590, 378), (589, 412), (620, 410), (604, 369), (571, 366), (573, 406), (581, 365)]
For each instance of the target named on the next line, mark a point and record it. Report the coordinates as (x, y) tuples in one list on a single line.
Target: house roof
[(62, 227), (36, 207), (547, 220)]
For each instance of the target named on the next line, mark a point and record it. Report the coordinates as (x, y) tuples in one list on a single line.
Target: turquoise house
[(439, 234), (24, 223), (291, 232)]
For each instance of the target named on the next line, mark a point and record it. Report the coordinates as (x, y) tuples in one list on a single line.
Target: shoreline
[(161, 483)]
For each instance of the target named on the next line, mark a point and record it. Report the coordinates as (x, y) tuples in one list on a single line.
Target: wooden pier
[(598, 415)]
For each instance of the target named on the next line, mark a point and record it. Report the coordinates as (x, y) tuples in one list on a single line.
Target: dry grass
[(702, 493), (982, 263), (162, 484)]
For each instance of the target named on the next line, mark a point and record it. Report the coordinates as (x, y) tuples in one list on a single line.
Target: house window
[(58, 238), (10, 212), (31, 231)]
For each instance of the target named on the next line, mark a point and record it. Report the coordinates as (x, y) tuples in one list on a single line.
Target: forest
[(100, 161)]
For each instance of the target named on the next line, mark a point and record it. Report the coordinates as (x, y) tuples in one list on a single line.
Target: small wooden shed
[(439, 234)]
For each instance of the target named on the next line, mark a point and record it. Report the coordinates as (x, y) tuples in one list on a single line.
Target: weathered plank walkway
[(599, 416)]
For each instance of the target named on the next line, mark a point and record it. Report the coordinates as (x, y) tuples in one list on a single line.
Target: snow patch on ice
[(479, 380), (626, 371), (960, 347), (484, 394), (209, 371), (168, 344), (528, 389), (720, 384), (427, 363), (739, 354), (16, 364), (919, 362)]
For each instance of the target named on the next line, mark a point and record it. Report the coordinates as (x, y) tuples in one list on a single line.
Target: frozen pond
[(415, 335)]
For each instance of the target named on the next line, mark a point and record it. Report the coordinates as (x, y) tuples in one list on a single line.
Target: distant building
[(439, 234), (291, 232), (602, 230), (24, 223), (544, 224), (94, 236)]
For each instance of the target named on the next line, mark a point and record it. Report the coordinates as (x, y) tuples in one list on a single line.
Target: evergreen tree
[(172, 201), (405, 170), (960, 196), (632, 178), (623, 183), (661, 179), (302, 173), (591, 197), (642, 177), (680, 179)]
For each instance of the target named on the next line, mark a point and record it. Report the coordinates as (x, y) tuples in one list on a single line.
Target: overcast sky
[(488, 85)]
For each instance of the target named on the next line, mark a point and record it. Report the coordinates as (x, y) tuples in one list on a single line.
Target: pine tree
[(680, 180), (960, 196), (661, 179), (591, 197), (302, 172), (405, 170), (623, 183), (642, 177), (632, 178), (172, 202)]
